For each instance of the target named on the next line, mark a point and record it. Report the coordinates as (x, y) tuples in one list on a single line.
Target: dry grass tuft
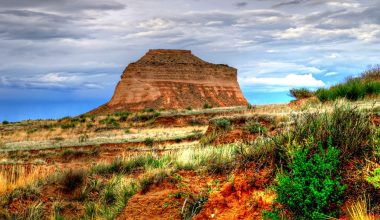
[(16, 176), (358, 210)]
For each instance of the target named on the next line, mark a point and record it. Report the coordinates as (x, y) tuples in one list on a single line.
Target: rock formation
[(174, 79)]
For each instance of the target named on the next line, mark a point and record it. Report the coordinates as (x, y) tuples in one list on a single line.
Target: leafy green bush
[(254, 127), (301, 93), (5, 122), (311, 189), (223, 123)]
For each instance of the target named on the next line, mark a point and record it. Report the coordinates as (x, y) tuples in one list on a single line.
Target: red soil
[(245, 198)]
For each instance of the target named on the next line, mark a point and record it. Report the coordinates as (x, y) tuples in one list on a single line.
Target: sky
[(65, 57)]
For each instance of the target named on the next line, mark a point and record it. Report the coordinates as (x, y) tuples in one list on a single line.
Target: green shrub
[(68, 126), (323, 95), (149, 142), (189, 108), (72, 179), (123, 116), (82, 119), (148, 110), (89, 125), (206, 106), (311, 189), (145, 116), (301, 93), (349, 128), (110, 122), (250, 106), (223, 123), (5, 122), (254, 127)]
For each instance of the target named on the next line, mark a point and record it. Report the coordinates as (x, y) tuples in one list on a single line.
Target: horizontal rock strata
[(174, 79)]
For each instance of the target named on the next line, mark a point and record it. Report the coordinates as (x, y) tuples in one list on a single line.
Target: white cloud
[(212, 23), (155, 23), (331, 73), (58, 78), (344, 4), (278, 68), (366, 33), (289, 81)]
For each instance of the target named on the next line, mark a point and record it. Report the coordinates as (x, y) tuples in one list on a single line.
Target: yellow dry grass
[(16, 176), (358, 210)]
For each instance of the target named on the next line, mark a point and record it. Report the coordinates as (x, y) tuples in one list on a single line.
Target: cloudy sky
[(65, 57)]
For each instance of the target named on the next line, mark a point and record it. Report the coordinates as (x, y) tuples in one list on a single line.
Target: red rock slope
[(174, 79)]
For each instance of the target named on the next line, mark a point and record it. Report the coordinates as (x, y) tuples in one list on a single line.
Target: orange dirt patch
[(160, 201), (233, 136), (245, 198)]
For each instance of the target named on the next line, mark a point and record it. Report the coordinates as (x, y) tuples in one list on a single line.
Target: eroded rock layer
[(174, 79)]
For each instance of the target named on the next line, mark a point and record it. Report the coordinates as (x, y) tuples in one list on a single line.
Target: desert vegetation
[(317, 161), (316, 178)]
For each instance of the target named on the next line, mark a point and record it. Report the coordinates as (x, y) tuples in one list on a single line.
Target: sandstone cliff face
[(174, 79)]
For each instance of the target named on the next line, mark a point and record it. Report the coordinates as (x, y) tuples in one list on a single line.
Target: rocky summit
[(174, 79)]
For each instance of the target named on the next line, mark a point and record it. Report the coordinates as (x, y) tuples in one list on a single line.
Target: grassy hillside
[(367, 84)]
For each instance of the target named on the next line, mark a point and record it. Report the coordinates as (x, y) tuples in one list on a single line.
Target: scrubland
[(309, 159)]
